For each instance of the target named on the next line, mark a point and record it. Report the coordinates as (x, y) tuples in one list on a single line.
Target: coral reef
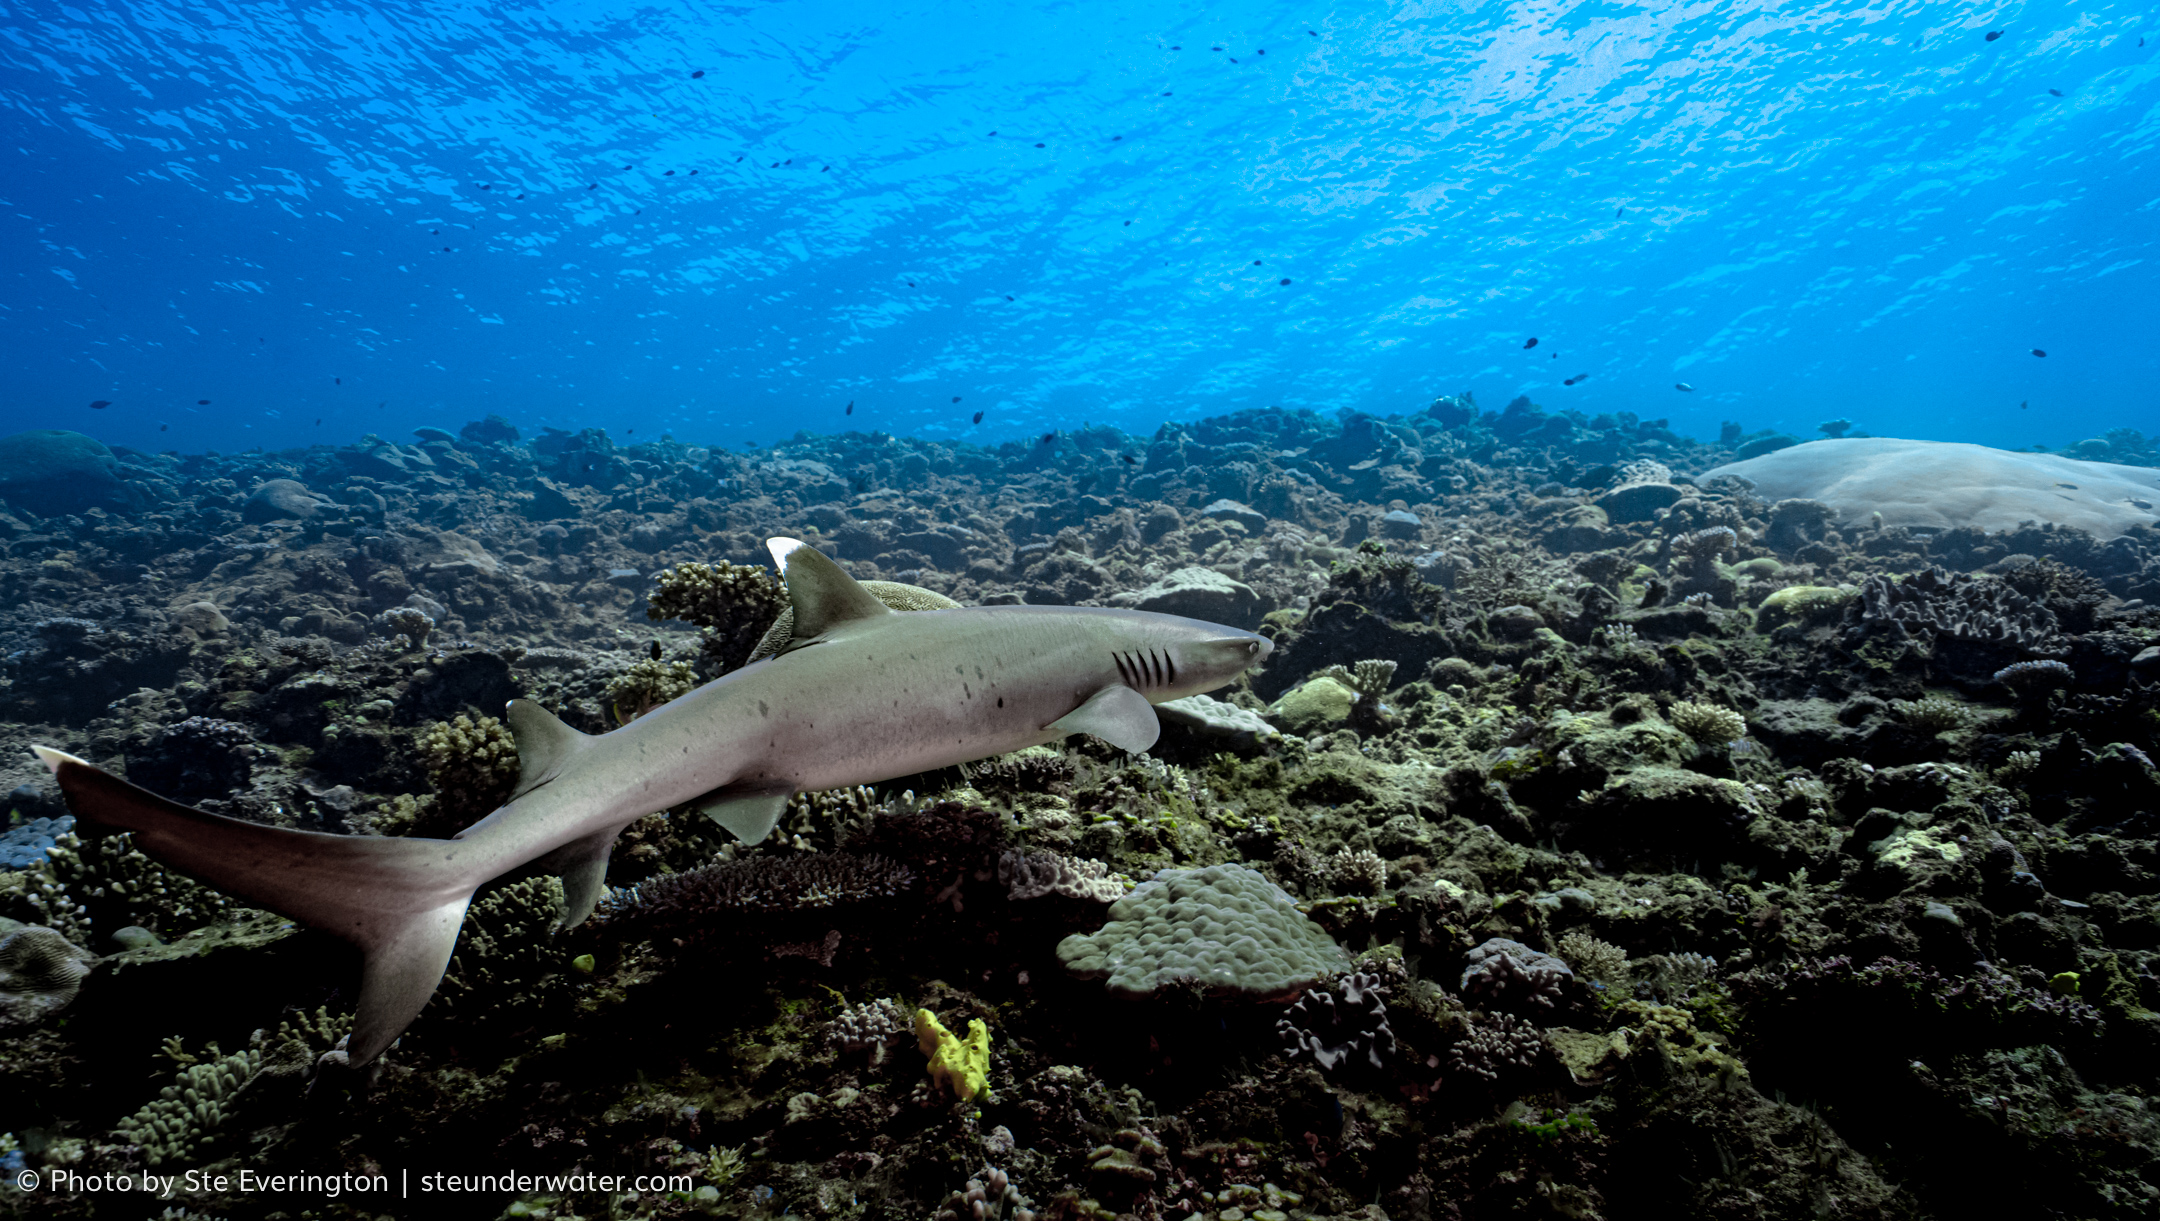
[(1604, 837)]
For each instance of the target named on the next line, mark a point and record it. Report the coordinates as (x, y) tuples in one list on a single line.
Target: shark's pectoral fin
[(821, 594), (544, 744), (1118, 715), (750, 814), (582, 865)]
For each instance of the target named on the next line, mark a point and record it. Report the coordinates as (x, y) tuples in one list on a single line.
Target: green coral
[(182, 1123), (1317, 703), (1225, 928), (1802, 604), (647, 684), (1708, 724), (507, 957)]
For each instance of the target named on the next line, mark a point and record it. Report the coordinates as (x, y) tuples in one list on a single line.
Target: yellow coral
[(963, 1064)]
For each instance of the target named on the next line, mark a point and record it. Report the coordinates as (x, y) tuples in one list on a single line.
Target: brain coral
[(1224, 927)]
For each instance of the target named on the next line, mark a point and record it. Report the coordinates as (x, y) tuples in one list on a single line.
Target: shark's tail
[(399, 900)]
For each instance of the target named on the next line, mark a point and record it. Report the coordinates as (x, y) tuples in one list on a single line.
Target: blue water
[(383, 215)]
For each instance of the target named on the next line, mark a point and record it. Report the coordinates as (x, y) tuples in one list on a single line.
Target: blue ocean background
[(251, 224)]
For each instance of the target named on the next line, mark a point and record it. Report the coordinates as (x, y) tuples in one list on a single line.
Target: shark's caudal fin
[(399, 900), (822, 595)]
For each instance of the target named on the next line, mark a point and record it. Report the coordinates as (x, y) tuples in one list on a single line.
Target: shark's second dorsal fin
[(544, 744), (822, 595)]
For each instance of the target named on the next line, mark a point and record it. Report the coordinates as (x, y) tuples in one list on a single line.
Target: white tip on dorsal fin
[(822, 595)]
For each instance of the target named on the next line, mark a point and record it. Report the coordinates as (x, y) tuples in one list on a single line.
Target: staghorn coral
[(1341, 1024), (732, 604), (1032, 875), (1933, 714), (88, 886), (1671, 978), (182, 1123), (40, 973), (473, 764), (1702, 546), (1497, 1045), (1707, 723), (1369, 679), (1600, 962), (1225, 928)]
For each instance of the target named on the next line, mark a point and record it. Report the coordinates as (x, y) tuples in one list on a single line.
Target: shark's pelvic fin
[(750, 814), (582, 863), (399, 900), (822, 595), (1118, 715), (544, 744)]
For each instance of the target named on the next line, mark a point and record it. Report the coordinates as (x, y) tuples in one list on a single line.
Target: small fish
[(486, 187), (2022, 404), (1256, 262), (318, 421), (956, 398), (978, 417), (163, 427), (1682, 386), (1008, 298), (1617, 211), (100, 404), (627, 431), (993, 133), (202, 402), (2073, 487), (1285, 281), (1993, 35), (698, 75), (341, 381), (1049, 437), (1529, 343), (1038, 146), (850, 408), (1130, 460), (2039, 351), (2054, 93)]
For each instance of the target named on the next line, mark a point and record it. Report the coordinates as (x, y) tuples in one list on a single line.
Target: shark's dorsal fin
[(544, 744), (1118, 715), (822, 595)]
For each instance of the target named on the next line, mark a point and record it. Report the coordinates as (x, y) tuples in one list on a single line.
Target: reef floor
[(1688, 855)]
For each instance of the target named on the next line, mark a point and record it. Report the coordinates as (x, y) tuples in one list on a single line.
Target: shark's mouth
[(1144, 669)]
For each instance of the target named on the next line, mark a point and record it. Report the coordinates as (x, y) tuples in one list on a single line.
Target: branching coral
[(1598, 961), (182, 1123), (732, 603), (410, 622), (473, 764), (1933, 603), (1707, 723), (1032, 875), (646, 684), (1358, 871), (2033, 680), (1497, 1045), (1933, 714), (873, 1025)]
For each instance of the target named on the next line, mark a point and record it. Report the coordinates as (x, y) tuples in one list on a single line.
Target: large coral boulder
[(1199, 593), (1939, 485), (52, 470)]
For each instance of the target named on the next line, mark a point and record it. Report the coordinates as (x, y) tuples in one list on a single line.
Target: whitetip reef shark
[(861, 694)]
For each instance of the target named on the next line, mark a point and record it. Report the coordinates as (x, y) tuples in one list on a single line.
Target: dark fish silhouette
[(2054, 93), (1580, 377), (1994, 34), (163, 427), (1529, 343), (100, 404), (1049, 437), (1256, 262), (202, 402), (341, 381), (1617, 211), (2022, 404), (1130, 460), (850, 408), (1284, 281), (978, 415), (956, 398), (1038, 146), (698, 75), (318, 422), (1682, 386), (2039, 351)]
